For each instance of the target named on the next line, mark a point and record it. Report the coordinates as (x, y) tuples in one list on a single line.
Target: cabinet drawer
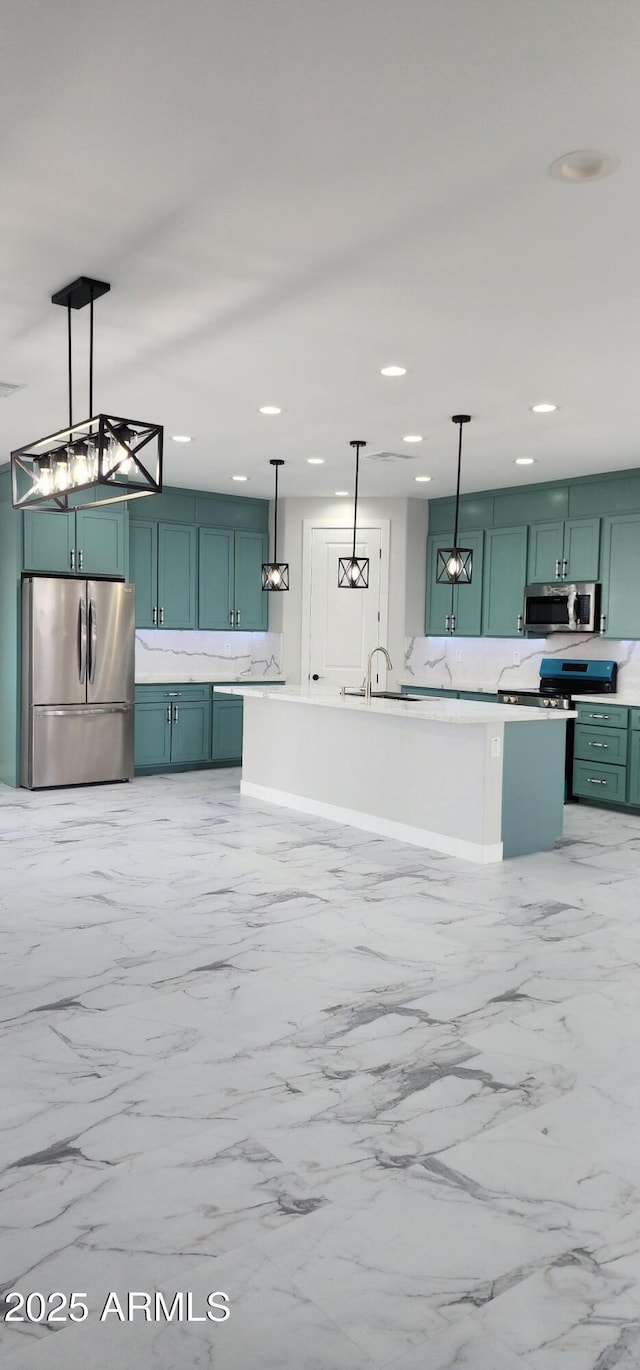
[(177, 692), (635, 718), (601, 744), (603, 715), (604, 783)]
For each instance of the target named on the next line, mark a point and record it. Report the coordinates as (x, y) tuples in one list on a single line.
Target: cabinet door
[(177, 582), (582, 549), (48, 541), (250, 600), (191, 732), (227, 730), (152, 734), (467, 599), (634, 769), (505, 565), (439, 601), (215, 578), (143, 560), (621, 575), (101, 541), (546, 542)]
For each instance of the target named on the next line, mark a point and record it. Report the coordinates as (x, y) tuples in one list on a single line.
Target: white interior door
[(343, 625)]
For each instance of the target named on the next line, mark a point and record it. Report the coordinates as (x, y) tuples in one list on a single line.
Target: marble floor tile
[(387, 1097)]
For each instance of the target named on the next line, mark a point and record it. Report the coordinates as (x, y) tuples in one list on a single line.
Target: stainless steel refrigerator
[(77, 681)]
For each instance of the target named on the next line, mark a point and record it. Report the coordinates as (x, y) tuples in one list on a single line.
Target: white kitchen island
[(478, 781)]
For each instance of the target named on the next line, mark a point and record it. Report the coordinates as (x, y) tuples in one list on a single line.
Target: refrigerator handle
[(93, 641), (82, 641)]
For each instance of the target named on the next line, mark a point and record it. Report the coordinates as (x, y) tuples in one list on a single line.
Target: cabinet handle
[(161, 617), (80, 560), (168, 713), (520, 623), (72, 557), (173, 694), (557, 568), (603, 622), (446, 623), (565, 568), (175, 713), (452, 623), (154, 617), (599, 744), (595, 782), (599, 715), (237, 618)]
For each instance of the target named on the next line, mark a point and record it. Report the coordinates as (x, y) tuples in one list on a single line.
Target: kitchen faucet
[(367, 681)]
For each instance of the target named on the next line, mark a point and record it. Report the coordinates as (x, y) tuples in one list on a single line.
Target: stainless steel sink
[(382, 694)]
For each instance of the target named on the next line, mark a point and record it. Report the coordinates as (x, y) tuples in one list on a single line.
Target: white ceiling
[(286, 195)]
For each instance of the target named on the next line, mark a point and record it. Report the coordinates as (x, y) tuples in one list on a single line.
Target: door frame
[(383, 526)]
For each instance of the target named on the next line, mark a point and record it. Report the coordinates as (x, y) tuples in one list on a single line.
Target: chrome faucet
[(367, 680)]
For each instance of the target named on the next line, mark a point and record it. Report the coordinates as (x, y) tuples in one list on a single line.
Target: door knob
[(315, 676)]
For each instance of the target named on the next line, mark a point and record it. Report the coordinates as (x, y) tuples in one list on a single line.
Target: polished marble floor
[(387, 1101)]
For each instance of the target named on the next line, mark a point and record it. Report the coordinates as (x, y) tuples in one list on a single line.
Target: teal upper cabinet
[(215, 578), (620, 575), (454, 608), (567, 550), (250, 600), (163, 568), (505, 568), (88, 542), (177, 582)]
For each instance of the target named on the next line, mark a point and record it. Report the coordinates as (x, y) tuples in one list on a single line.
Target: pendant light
[(275, 574), (353, 571), (102, 460), (454, 565)]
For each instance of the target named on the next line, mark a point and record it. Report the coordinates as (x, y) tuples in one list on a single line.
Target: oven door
[(561, 608)]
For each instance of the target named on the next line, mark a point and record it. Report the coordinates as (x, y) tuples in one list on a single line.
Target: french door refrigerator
[(77, 681)]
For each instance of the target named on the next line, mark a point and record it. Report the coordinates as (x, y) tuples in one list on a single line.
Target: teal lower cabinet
[(606, 755), (191, 732), (226, 742), (599, 782), (152, 734), (634, 765), (178, 727)]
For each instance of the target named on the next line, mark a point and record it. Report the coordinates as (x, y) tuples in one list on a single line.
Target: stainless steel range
[(560, 680)]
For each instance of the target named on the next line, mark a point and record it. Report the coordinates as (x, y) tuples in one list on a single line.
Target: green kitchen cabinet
[(634, 769), (454, 608), (230, 579), (163, 569), (190, 732), (227, 729), (152, 733), (505, 567), (568, 550), (621, 575), (89, 542)]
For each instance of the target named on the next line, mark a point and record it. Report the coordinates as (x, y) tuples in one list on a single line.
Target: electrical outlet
[(227, 648), (516, 658), (458, 654), (495, 746)]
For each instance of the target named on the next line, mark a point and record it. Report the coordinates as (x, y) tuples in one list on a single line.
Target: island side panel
[(532, 786), (432, 783)]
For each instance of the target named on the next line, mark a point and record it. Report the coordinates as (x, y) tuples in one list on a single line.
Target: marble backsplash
[(182, 655), (487, 663)]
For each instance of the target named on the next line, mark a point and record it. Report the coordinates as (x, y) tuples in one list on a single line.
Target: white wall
[(407, 551)]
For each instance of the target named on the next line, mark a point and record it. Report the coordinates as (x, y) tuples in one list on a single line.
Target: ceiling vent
[(6, 389), (390, 456)]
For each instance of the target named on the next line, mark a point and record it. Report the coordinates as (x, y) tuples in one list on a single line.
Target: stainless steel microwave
[(564, 607)]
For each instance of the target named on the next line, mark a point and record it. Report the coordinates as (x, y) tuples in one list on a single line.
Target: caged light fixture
[(102, 460), (275, 574), (454, 565), (353, 571)]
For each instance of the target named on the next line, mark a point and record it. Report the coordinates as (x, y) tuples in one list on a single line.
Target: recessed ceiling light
[(586, 164), (269, 409), (315, 461), (181, 437), (525, 461), (412, 437), (422, 477), (239, 477), (341, 492), (393, 371), (543, 408)]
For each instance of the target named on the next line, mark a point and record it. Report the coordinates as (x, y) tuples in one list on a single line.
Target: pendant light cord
[(91, 355), (69, 366), (357, 446), (455, 531), (275, 522)]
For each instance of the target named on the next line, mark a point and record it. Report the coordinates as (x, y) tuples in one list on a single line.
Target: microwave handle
[(603, 623)]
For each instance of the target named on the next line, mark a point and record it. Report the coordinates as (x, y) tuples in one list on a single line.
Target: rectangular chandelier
[(107, 458)]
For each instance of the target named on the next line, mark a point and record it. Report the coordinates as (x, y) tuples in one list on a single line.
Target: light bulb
[(80, 467), (275, 576), (44, 483), (92, 460), (61, 473), (454, 567)]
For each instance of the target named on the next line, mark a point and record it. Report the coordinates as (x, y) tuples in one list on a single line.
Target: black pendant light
[(353, 571), (104, 459), (454, 565), (275, 574)]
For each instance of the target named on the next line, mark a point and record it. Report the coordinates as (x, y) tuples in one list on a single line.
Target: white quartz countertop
[(457, 711), (206, 678), (629, 701)]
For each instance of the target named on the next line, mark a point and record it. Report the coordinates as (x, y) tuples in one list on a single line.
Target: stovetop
[(560, 678)]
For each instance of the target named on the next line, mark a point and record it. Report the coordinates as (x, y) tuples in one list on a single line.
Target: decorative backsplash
[(168, 655), (490, 662)]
